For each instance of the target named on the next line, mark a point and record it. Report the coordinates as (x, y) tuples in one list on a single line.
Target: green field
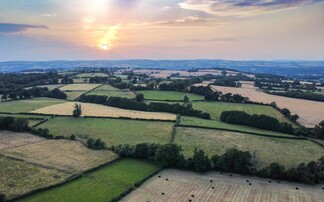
[(216, 108), (168, 95), (101, 185), (27, 105), (109, 90), (112, 131), (50, 86), (193, 121), (89, 75), (72, 95), (284, 151), (17, 177)]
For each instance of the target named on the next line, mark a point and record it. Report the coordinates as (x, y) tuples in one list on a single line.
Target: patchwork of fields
[(186, 186), (168, 95), (310, 112), (112, 131), (74, 91), (286, 152), (89, 109), (100, 185)]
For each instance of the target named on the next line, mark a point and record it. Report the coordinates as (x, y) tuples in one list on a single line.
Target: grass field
[(193, 121), (18, 177), (168, 95), (182, 184), (50, 86), (112, 131), (89, 109), (101, 185), (65, 155), (72, 95), (27, 105), (284, 151), (12, 139), (79, 87), (89, 75), (108, 90)]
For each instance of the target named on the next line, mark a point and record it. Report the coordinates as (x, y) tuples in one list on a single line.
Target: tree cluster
[(98, 79), (286, 112), (300, 94), (227, 81), (67, 80), (13, 124), (34, 92), (257, 121), (95, 144)]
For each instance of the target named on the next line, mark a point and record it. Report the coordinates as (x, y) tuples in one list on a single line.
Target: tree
[(169, 155), (2, 198), (77, 110), (319, 130), (201, 161), (139, 97), (4, 97), (186, 99)]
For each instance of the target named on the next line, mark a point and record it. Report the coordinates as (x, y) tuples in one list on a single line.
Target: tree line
[(257, 121), (299, 94), (34, 92), (233, 160), (125, 103)]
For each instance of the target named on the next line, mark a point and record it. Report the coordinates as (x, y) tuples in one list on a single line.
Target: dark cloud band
[(12, 28)]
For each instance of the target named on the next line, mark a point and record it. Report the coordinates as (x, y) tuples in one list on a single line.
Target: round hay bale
[(247, 180), (192, 195), (210, 180), (269, 181), (230, 175), (167, 179), (159, 176), (213, 187), (297, 188), (250, 184), (162, 193)]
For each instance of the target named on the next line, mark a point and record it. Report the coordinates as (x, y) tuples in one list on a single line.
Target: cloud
[(221, 39), (242, 8), (12, 28)]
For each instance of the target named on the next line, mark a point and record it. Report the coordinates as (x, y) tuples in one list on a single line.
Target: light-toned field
[(12, 139), (108, 90), (79, 87), (27, 105), (50, 86), (72, 95), (65, 155), (17, 177), (287, 152), (310, 112), (89, 109), (181, 185), (100, 185), (168, 95), (89, 75), (112, 131)]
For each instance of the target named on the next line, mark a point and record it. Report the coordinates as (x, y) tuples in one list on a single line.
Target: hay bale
[(269, 181), (162, 193), (297, 188), (192, 195), (213, 187), (166, 179), (247, 181), (250, 184), (210, 180)]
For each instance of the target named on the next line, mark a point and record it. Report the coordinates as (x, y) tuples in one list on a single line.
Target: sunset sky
[(164, 29)]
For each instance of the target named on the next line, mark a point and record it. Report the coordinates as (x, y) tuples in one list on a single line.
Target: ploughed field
[(112, 131), (89, 109), (100, 185), (310, 112), (287, 152), (212, 186)]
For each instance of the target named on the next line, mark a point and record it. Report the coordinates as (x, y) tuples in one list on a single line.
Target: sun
[(105, 46)]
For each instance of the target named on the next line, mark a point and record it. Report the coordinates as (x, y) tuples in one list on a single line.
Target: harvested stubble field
[(101, 185), (12, 139), (79, 87), (72, 95), (185, 186), (65, 155), (27, 105), (286, 152), (89, 109), (168, 95), (111, 91), (17, 177), (112, 131), (193, 121), (310, 112)]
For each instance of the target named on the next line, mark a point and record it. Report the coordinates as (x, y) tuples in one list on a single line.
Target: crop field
[(27, 105), (287, 152), (112, 131), (89, 75), (72, 95), (64, 155), (193, 121), (108, 90), (89, 109), (101, 185), (310, 112), (79, 87), (12, 139), (185, 186), (168, 95), (17, 177)]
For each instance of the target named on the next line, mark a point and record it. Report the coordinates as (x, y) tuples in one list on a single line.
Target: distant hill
[(287, 68)]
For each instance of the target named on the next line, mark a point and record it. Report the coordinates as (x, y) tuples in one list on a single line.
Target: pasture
[(27, 105), (89, 109), (79, 87), (108, 90), (185, 186), (17, 177), (100, 185), (287, 152), (310, 112), (193, 121), (112, 131), (65, 155), (168, 95)]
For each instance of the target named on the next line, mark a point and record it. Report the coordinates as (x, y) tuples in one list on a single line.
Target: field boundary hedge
[(238, 131), (172, 100), (39, 123)]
